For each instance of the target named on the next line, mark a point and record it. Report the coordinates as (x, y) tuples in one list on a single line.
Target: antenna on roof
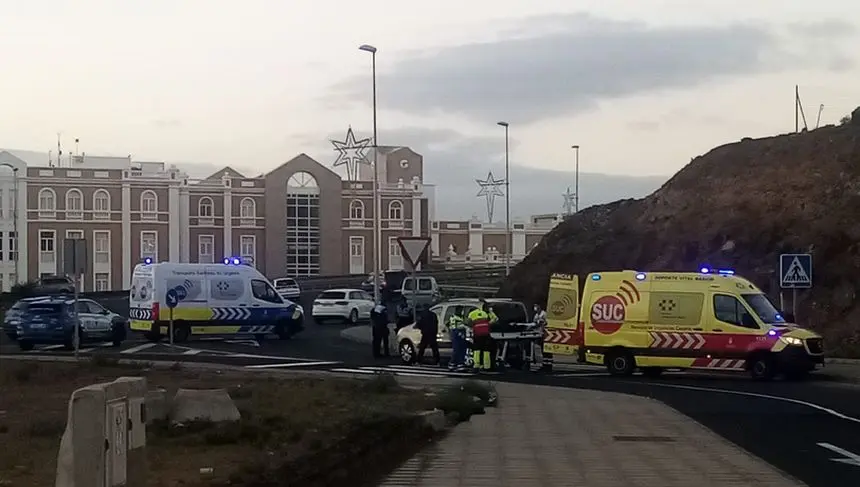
[(59, 150)]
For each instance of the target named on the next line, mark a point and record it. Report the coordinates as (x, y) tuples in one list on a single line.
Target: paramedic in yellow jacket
[(480, 320)]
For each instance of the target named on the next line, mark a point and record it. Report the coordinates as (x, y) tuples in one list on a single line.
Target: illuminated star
[(569, 201), (352, 152), (490, 188)]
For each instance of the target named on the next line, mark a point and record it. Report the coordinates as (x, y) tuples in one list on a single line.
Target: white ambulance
[(208, 299)]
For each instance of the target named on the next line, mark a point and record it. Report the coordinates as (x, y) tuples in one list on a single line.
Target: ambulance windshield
[(765, 310)]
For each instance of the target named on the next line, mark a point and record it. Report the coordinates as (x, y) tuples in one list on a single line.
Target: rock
[(768, 194), (434, 419), (157, 405), (203, 405)]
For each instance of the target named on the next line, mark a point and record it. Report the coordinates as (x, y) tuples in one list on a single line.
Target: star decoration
[(351, 153), (569, 201), (490, 188)]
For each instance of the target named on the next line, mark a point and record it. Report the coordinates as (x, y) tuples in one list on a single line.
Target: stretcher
[(516, 342)]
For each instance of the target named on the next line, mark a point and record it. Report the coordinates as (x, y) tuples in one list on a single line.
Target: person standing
[(403, 314), (492, 346), (428, 325), (380, 331), (479, 320), (457, 331)]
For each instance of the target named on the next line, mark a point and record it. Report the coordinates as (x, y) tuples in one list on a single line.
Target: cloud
[(577, 61)]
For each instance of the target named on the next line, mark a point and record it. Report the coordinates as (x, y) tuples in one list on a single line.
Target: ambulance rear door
[(563, 335)]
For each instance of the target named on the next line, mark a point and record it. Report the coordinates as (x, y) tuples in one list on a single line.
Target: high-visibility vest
[(480, 322)]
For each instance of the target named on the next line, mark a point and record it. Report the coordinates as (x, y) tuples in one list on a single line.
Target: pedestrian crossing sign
[(795, 271)]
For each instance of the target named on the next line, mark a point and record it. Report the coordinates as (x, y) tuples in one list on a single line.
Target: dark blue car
[(51, 320)]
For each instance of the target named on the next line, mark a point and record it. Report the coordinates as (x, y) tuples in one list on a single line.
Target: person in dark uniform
[(428, 324), (379, 324), (403, 314)]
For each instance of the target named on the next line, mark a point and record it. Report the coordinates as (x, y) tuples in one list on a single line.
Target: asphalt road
[(809, 429)]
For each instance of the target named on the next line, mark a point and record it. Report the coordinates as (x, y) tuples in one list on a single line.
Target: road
[(810, 429)]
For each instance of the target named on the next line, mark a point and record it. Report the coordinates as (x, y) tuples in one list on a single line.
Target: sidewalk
[(549, 437)]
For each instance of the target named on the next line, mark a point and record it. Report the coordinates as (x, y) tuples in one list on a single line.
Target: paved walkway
[(549, 437)]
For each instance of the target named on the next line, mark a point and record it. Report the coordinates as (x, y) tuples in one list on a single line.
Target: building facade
[(299, 219)]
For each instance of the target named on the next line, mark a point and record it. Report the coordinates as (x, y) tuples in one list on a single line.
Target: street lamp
[(507, 202), (377, 237), (576, 180), (14, 219)]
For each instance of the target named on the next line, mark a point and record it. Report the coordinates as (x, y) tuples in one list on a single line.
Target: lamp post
[(576, 180), (14, 218), (377, 243), (507, 201)]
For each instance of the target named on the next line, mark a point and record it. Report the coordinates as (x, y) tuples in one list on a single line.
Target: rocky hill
[(738, 206)]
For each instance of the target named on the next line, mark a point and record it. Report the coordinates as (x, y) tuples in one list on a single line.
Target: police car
[(51, 320)]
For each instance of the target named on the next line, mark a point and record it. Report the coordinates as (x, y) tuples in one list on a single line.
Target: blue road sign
[(795, 271), (171, 299)]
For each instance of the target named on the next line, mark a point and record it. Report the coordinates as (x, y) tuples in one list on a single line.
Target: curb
[(843, 361)]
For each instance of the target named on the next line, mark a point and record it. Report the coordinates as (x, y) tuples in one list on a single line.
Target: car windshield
[(765, 310), (285, 283), (46, 308), (332, 295)]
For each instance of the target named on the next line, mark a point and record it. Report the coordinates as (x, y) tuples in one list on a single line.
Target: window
[(248, 248), (729, 310), (75, 234), (247, 212), (102, 281), (149, 245), (395, 210), (92, 307), (101, 205), (762, 306), (303, 225), (101, 246), (204, 207), (47, 203), (206, 249), (357, 295), (74, 204), (262, 290), (13, 246), (1, 248), (47, 249), (395, 259), (356, 210), (148, 205), (3, 213)]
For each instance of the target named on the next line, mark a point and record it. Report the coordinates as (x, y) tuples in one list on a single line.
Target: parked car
[(51, 320), (390, 283), (409, 337), (425, 293), (288, 288), (350, 305), (55, 285)]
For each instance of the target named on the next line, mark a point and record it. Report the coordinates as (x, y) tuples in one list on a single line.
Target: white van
[(208, 299)]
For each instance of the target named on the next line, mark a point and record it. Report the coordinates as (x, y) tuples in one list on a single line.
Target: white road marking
[(50, 347), (403, 374), (406, 371), (587, 374), (250, 355), (761, 396), (138, 348), (252, 343), (289, 364), (851, 458), (191, 351)]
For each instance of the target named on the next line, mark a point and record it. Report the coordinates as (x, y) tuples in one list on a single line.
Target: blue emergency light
[(232, 261), (147, 260), (640, 276)]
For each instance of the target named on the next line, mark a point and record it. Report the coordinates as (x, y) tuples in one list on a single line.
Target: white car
[(288, 288), (351, 305)]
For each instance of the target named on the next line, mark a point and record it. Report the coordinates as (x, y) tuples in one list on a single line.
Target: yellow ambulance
[(711, 320)]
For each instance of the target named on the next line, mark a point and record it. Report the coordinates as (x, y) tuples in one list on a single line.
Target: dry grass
[(286, 423)]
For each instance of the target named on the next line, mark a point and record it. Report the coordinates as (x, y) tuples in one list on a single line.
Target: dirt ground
[(293, 431)]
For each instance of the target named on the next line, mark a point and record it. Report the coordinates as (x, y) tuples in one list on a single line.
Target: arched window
[(101, 204), (248, 208), (303, 225), (149, 205), (74, 204), (395, 210), (47, 203), (204, 207), (356, 210)]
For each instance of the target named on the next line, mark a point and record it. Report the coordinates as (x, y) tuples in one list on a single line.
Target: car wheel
[(620, 362), (762, 368), (407, 352), (353, 317), (118, 334), (25, 345)]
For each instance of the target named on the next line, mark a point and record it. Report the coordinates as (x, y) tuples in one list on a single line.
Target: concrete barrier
[(105, 437)]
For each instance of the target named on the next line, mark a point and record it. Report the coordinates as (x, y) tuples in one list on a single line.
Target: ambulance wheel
[(652, 372), (181, 332), (762, 368), (620, 362)]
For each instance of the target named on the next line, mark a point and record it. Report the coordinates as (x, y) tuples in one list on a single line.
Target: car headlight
[(791, 340)]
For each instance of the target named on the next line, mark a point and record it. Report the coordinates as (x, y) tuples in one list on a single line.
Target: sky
[(642, 86)]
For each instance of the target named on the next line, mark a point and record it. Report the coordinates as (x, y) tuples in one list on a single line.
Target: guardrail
[(468, 291), (488, 277)]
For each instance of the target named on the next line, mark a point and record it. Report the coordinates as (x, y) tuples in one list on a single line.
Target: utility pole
[(576, 180)]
